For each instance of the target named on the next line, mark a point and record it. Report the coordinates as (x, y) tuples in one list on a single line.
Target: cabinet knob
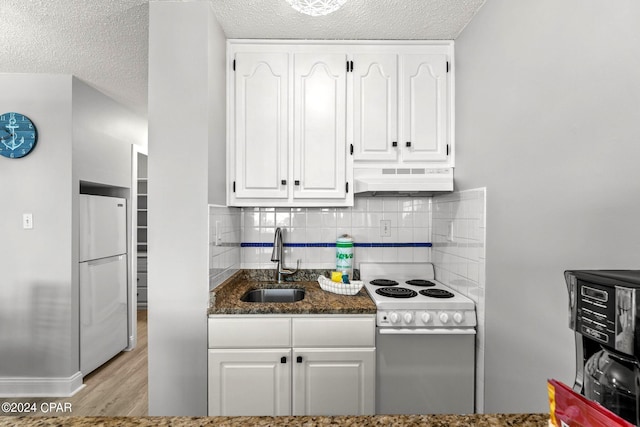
[(296, 182), (283, 182), (394, 144), (283, 359), (408, 143), (299, 359)]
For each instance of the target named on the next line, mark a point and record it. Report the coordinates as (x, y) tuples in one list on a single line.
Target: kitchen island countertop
[(476, 420), (225, 299)]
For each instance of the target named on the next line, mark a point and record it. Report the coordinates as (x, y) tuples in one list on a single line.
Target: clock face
[(18, 135)]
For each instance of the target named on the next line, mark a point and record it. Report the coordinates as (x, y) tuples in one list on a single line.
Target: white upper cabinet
[(287, 126), (375, 107), (300, 115), (261, 82), (403, 106), (320, 119), (424, 121)]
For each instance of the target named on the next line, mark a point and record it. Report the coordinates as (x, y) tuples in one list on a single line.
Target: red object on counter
[(570, 409)]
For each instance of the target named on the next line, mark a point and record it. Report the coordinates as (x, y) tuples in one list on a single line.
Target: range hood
[(402, 181)]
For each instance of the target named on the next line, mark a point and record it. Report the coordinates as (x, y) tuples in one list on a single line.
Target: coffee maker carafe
[(603, 312)]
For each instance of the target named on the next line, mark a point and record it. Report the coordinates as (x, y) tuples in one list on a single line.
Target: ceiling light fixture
[(316, 7)]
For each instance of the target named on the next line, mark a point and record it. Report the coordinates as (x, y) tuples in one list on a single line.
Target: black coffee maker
[(604, 309)]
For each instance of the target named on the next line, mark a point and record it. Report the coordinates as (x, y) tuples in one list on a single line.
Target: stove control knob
[(444, 317), (458, 317), (394, 317), (408, 317), (426, 317)]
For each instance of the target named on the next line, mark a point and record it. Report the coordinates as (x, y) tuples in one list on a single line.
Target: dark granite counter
[(225, 299), (486, 420)]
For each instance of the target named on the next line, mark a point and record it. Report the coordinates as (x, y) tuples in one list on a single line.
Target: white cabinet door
[(424, 126), (250, 382), (375, 107), (261, 125), (320, 97), (334, 381)]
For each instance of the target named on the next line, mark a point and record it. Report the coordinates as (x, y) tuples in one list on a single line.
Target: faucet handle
[(288, 271)]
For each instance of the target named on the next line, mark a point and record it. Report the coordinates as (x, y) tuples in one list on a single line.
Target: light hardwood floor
[(117, 388)]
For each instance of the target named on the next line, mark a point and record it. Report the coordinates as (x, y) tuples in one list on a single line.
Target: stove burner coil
[(396, 292), (420, 282), (436, 293), (383, 282)]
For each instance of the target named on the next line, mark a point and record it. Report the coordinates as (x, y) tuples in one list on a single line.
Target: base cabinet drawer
[(334, 331), (248, 332)]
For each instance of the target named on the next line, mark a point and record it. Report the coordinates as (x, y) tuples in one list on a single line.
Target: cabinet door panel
[(375, 107), (249, 382), (425, 122), (261, 132), (334, 382), (320, 126)]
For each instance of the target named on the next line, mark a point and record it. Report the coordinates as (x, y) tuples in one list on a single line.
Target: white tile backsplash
[(459, 259), (409, 219), (225, 259)]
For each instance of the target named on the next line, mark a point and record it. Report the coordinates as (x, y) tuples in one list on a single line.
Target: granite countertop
[(225, 299), (477, 420)]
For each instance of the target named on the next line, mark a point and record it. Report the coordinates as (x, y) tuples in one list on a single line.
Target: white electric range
[(425, 341)]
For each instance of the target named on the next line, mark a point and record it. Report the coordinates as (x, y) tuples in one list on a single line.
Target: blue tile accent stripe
[(333, 245)]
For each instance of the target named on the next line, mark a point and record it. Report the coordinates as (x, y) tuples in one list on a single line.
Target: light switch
[(27, 221)]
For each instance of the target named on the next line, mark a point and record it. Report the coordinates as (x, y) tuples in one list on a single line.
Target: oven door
[(425, 371)]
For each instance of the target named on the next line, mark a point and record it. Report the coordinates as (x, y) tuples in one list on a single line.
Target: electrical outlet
[(385, 228), (27, 221), (218, 233), (450, 232)]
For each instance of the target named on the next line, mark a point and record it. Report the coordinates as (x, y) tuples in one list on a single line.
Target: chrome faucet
[(278, 256)]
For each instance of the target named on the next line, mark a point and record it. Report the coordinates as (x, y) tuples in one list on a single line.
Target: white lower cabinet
[(250, 382), (334, 381), (309, 371)]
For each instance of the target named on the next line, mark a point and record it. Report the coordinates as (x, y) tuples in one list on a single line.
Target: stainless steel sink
[(273, 295)]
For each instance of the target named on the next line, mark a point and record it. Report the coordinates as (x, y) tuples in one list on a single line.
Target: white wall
[(36, 315), (103, 132), (547, 120), (181, 134), (217, 114), (39, 315)]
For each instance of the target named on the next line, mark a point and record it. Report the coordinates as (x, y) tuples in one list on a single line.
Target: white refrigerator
[(103, 280)]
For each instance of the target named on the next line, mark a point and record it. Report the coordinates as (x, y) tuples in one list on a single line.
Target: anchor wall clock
[(18, 135)]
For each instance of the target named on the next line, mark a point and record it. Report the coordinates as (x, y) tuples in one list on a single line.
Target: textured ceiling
[(105, 42), (357, 19)]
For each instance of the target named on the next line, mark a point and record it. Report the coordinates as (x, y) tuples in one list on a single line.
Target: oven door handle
[(426, 331)]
